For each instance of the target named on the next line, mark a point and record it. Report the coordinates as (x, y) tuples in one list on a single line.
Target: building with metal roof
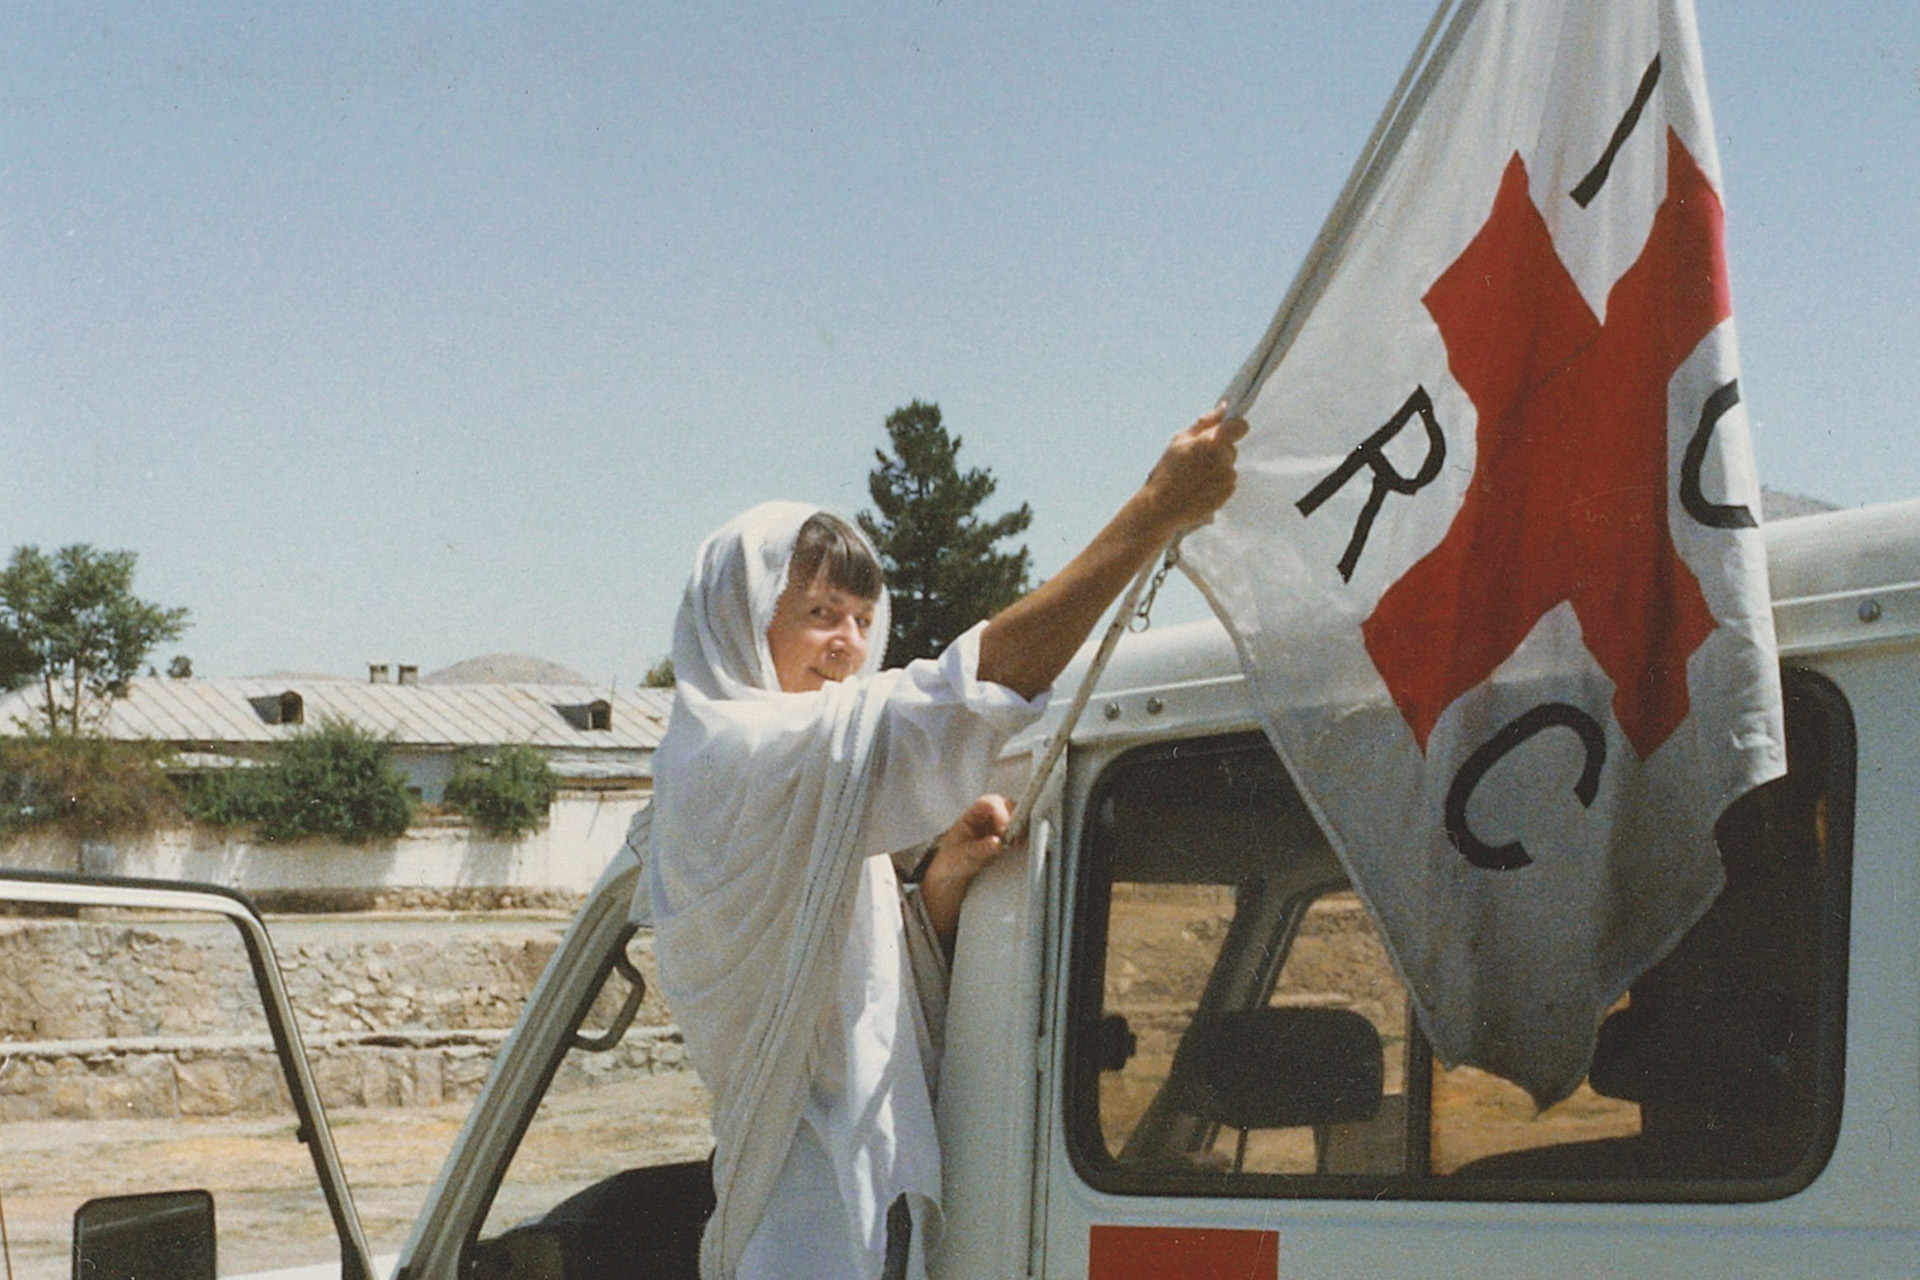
[(592, 737)]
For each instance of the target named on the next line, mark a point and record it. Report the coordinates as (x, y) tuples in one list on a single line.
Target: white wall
[(584, 830)]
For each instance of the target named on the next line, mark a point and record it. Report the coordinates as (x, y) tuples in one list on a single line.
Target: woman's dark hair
[(827, 544)]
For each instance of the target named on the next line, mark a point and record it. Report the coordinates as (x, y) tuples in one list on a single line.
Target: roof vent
[(280, 708), (408, 673), (376, 673), (590, 717)]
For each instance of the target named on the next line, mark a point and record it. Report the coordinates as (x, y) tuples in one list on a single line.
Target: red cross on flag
[(1494, 567)]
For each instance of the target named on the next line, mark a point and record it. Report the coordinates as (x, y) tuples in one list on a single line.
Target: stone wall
[(104, 1019), (97, 980), (434, 859), (128, 1080)]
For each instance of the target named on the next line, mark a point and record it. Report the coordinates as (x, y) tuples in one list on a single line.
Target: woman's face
[(818, 633)]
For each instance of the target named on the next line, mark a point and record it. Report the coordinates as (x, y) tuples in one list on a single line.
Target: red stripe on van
[(1190, 1253)]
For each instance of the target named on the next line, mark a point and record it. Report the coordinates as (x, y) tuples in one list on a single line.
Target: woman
[(791, 766)]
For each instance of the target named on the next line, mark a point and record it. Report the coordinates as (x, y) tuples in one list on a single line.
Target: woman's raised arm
[(1029, 643)]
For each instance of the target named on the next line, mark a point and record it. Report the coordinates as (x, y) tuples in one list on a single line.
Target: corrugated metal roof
[(217, 711)]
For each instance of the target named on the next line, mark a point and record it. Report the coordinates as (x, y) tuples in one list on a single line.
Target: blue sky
[(406, 333)]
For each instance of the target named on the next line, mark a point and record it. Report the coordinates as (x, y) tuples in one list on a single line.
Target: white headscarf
[(756, 840), (720, 636)]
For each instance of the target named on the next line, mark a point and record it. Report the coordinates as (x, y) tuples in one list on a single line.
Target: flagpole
[(1057, 742)]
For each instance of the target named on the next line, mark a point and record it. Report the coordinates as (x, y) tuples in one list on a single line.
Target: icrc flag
[(1493, 566)]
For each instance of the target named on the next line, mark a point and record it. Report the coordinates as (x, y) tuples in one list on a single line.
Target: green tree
[(508, 795), (659, 675), (945, 570), (71, 622)]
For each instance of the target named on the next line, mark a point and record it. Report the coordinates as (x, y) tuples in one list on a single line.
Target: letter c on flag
[(1714, 515), (1548, 715)]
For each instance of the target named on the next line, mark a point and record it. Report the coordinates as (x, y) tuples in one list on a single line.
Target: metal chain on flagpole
[(1143, 614), (1132, 609)]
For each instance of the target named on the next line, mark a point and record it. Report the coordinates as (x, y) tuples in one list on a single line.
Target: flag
[(1493, 566)]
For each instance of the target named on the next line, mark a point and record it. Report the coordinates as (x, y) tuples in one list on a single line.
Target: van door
[(154, 1091), (1238, 1089), (585, 1154)]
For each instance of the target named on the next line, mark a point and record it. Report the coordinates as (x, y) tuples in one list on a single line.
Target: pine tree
[(944, 571)]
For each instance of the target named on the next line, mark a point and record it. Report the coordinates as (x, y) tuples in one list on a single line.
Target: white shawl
[(762, 819)]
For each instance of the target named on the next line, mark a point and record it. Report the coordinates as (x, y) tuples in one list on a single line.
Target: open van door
[(121, 1228)]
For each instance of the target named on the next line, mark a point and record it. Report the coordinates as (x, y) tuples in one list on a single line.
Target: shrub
[(87, 787), (225, 798), (337, 783), (507, 795)]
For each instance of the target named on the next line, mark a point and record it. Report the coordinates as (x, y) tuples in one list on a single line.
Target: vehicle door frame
[(59, 889)]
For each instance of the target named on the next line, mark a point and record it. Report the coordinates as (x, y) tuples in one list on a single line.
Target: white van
[(1175, 1047)]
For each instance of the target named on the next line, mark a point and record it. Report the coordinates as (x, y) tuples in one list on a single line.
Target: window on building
[(280, 708), (595, 716), (1237, 1027)]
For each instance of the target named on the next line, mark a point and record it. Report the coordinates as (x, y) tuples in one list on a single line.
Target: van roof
[(1846, 578)]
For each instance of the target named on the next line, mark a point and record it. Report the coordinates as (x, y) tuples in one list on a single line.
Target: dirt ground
[(267, 1199)]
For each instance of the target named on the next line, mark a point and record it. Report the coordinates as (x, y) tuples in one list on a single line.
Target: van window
[(1237, 1027)]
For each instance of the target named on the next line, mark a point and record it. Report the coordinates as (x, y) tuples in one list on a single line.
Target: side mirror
[(160, 1235), (1114, 1043)]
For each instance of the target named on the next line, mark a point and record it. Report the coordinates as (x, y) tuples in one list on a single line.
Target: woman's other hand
[(971, 843)]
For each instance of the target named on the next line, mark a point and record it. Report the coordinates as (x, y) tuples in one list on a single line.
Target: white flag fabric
[(1493, 566)]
